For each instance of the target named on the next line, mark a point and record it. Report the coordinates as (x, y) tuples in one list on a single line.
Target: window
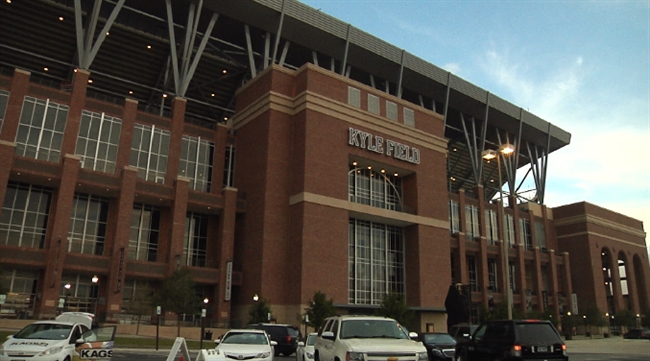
[(82, 294), (391, 110), (20, 287), (409, 117), (196, 239), (472, 223), (25, 211), (40, 132), (354, 97), (98, 141), (149, 151), (377, 189), (229, 167), (196, 162), (492, 275), (87, 232), (540, 235), (511, 274), (509, 229), (145, 229), (373, 104), (524, 233), (473, 277), (4, 98), (376, 261), (491, 228), (454, 217), (137, 296)]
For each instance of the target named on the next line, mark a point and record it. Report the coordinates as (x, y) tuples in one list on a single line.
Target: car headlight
[(354, 356), (422, 356), (263, 355), (309, 355), (51, 351)]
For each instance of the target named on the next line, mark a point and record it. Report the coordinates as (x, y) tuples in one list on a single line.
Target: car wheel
[(316, 357)]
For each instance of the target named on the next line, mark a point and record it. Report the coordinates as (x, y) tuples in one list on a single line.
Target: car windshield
[(311, 339), (439, 339), (531, 333), (245, 338), (44, 331), (372, 329)]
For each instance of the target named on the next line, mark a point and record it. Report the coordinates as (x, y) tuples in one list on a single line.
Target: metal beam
[(249, 47), (190, 73), (172, 46), (279, 33), (102, 35), (401, 73), (345, 52)]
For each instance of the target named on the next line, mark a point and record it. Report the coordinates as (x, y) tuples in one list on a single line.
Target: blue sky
[(581, 65)]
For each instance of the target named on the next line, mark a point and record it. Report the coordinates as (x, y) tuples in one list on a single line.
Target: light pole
[(95, 281), (203, 314), (488, 155)]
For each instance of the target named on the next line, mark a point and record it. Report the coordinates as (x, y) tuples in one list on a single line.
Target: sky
[(582, 65)]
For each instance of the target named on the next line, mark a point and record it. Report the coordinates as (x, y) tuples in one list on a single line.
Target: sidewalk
[(612, 345)]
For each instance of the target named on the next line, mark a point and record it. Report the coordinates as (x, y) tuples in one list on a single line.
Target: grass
[(139, 342)]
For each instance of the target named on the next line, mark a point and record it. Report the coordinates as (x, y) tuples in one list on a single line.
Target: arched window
[(374, 188)]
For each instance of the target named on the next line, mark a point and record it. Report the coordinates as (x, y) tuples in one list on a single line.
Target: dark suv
[(513, 340), (285, 335)]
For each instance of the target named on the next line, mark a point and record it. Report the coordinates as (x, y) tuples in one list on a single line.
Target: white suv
[(366, 338)]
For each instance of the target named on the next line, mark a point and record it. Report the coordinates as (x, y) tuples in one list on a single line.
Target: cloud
[(453, 67), (608, 160)]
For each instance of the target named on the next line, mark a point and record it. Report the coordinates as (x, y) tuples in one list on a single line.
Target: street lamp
[(95, 281), (203, 314), (488, 155)]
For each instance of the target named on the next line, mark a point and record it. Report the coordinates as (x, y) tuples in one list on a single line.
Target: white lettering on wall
[(375, 143)]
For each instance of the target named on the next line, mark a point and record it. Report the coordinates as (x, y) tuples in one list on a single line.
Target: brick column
[(619, 304), (462, 247), (555, 289), (18, 90), (520, 277), (77, 103), (177, 231), (175, 139), (7, 150), (57, 245), (120, 249), (226, 249), (126, 135), (538, 277), (219, 158)]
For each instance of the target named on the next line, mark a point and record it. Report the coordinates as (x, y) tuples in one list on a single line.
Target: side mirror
[(328, 335), (274, 343), (217, 341), (301, 344), (414, 335), (80, 341)]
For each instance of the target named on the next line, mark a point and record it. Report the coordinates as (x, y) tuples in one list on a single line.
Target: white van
[(67, 338)]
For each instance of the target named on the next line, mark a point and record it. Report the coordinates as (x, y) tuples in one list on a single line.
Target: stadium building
[(276, 151)]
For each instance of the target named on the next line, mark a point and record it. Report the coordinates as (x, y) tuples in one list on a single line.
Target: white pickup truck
[(366, 338)]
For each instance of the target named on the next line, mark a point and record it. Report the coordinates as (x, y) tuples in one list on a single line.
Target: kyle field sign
[(377, 144)]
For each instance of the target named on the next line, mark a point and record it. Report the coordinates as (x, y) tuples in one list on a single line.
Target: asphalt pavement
[(611, 345)]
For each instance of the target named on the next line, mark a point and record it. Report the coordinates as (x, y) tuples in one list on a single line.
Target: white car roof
[(70, 318), (247, 330)]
